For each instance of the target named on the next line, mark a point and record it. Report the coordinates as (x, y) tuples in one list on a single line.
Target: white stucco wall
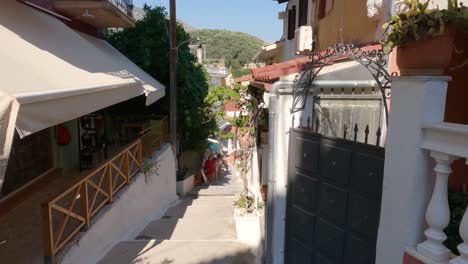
[(408, 177), (185, 186), (283, 124), (145, 199), (253, 175), (290, 45)]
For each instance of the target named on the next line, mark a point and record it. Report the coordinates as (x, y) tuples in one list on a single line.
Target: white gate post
[(406, 189)]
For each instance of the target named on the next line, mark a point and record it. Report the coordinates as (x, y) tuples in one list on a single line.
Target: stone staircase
[(199, 229)]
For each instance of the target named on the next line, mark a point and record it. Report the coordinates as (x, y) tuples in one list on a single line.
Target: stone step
[(186, 252), (188, 212), (216, 190), (190, 229), (218, 201)]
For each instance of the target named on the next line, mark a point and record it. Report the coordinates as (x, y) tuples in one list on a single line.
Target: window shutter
[(291, 22), (303, 12), (322, 4)]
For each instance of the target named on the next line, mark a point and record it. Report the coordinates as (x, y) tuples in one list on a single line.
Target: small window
[(303, 12), (291, 22)]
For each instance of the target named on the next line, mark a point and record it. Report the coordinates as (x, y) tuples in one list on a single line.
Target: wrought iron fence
[(375, 61), (352, 132)]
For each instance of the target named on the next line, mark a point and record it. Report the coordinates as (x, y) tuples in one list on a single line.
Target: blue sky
[(256, 17)]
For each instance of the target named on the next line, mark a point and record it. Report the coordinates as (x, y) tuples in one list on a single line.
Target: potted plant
[(424, 37), (246, 216)]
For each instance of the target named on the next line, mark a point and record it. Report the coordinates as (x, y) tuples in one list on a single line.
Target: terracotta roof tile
[(275, 71), (243, 78)]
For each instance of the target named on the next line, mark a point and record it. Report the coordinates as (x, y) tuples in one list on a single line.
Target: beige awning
[(122, 65), (50, 74), (56, 74)]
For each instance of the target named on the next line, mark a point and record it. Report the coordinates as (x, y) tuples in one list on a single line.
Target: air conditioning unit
[(304, 39)]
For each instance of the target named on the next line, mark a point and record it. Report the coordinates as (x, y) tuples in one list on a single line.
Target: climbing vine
[(249, 102)]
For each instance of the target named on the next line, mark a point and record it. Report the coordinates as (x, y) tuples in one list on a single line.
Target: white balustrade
[(438, 212), (445, 142), (416, 129)]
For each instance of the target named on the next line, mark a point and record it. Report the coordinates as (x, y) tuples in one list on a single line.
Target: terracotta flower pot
[(430, 56)]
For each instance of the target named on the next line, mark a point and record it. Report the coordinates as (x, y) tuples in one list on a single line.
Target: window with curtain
[(337, 117), (291, 22)]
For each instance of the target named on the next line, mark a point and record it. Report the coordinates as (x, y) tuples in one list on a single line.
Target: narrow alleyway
[(199, 229)]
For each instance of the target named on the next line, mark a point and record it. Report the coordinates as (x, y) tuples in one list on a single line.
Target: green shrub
[(420, 22), (458, 201)]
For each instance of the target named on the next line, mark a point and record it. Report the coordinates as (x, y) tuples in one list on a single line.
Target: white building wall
[(145, 199), (290, 45)]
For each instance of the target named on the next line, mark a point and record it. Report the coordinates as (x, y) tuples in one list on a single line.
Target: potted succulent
[(424, 37)]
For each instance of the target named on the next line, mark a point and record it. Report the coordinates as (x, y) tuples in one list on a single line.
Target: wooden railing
[(71, 211), (153, 136)]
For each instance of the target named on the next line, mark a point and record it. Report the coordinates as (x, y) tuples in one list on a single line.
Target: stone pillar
[(407, 174)]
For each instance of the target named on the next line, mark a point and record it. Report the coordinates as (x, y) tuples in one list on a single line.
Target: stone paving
[(199, 229)]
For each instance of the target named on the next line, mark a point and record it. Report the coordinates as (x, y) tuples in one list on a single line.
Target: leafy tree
[(240, 72), (147, 45)]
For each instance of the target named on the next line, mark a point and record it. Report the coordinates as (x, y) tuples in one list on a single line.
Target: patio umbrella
[(215, 147)]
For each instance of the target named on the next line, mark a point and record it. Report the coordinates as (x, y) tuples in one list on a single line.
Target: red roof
[(230, 107), (275, 71), (243, 78)]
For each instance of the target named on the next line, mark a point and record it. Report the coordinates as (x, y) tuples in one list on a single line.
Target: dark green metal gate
[(333, 201)]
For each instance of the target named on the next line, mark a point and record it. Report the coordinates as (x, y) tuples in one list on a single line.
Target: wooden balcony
[(98, 13), (73, 208)]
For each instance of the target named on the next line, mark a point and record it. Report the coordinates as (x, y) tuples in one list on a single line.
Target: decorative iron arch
[(373, 60)]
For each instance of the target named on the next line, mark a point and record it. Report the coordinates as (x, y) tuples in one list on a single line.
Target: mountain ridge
[(237, 48)]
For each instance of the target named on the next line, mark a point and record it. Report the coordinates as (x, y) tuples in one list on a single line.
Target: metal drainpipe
[(273, 110), (274, 95)]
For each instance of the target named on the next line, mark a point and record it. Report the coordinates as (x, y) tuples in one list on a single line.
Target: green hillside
[(237, 48)]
